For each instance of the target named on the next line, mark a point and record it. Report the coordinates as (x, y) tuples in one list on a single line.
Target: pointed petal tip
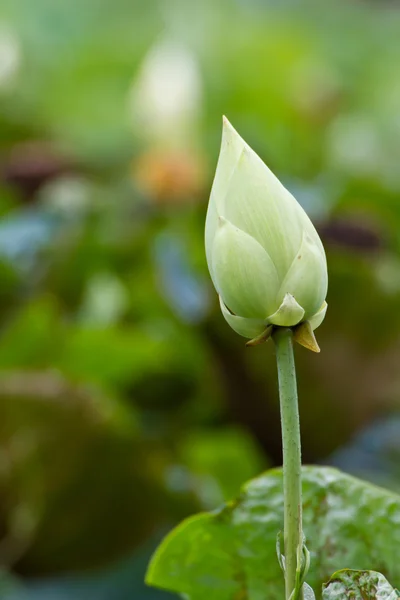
[(226, 126), (304, 335), (231, 141), (226, 123), (260, 339), (289, 313), (229, 130)]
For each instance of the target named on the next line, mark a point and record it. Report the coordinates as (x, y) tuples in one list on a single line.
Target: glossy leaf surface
[(359, 585), (230, 554)]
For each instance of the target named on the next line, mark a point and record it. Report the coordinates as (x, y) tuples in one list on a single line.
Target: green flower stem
[(293, 535)]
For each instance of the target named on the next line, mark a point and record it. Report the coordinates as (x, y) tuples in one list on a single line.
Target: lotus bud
[(264, 255)]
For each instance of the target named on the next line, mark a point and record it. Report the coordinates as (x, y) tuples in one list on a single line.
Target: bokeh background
[(126, 403)]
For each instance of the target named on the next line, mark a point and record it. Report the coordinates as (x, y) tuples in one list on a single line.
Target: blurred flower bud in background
[(169, 176), (164, 105), (165, 98), (10, 57)]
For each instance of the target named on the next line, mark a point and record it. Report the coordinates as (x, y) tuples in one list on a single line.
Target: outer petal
[(316, 320), (212, 224), (245, 276), (248, 328), (258, 203), (288, 314), (307, 278), (231, 148)]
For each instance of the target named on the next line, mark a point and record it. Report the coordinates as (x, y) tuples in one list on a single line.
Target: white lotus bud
[(264, 255)]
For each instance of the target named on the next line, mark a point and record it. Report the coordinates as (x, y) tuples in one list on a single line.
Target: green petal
[(288, 314), (307, 278), (210, 231), (232, 146), (257, 202), (248, 328), (231, 149), (244, 274), (316, 320)]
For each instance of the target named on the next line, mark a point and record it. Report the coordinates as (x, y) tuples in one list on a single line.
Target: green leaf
[(359, 585), (230, 554)]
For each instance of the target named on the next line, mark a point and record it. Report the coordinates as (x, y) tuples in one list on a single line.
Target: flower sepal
[(303, 333)]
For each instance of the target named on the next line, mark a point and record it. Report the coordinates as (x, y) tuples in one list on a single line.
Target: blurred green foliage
[(125, 401)]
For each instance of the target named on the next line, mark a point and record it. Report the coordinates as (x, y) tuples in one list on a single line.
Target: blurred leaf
[(32, 338), (119, 581), (9, 284), (222, 459), (231, 553), (113, 356), (8, 584), (74, 477), (359, 585)]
